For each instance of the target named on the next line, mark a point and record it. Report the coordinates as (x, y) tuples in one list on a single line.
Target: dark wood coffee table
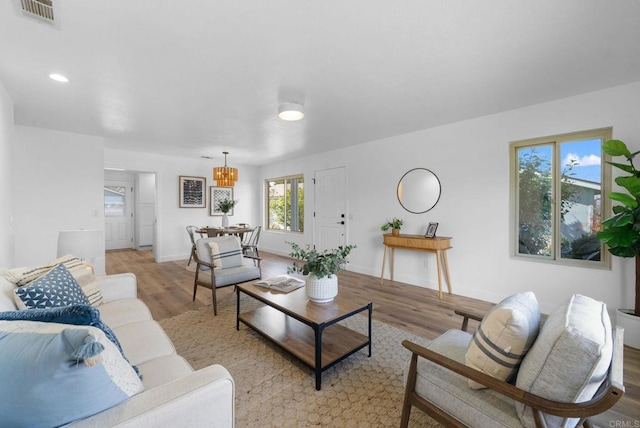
[(305, 329)]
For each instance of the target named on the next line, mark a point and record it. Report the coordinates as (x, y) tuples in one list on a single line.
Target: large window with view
[(285, 203), (557, 206)]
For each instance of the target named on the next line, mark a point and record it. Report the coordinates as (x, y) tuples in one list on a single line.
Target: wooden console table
[(438, 245)]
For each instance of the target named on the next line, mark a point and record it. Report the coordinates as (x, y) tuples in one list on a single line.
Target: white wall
[(58, 182), (6, 182), (471, 158), (172, 241), (58, 185)]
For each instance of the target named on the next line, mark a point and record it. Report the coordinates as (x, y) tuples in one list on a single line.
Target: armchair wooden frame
[(611, 390), (212, 282)]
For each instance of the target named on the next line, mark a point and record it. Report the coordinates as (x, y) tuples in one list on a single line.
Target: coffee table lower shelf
[(330, 344)]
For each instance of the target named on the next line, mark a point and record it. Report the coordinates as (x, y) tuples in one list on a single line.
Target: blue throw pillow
[(54, 374), (56, 288), (74, 315)]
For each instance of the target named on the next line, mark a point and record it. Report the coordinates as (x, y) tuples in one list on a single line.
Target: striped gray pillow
[(226, 252), (504, 336)]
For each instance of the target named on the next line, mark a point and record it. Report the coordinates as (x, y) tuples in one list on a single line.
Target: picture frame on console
[(217, 194), (431, 230), (192, 191)]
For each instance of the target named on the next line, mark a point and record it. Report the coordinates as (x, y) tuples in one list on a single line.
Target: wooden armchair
[(437, 384), (225, 273)]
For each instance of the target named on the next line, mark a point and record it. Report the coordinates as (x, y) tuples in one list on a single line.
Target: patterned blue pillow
[(56, 288)]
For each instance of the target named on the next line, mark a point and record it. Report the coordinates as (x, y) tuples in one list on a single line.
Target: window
[(285, 203), (557, 185), (114, 201)]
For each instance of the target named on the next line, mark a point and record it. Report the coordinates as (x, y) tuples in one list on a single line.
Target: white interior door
[(330, 208), (118, 214)]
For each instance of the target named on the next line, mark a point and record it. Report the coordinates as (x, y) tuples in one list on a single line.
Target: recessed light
[(58, 78), (290, 111)]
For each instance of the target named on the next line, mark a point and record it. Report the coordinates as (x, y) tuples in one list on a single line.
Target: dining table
[(219, 231)]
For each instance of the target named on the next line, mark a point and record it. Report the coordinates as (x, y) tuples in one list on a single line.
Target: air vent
[(40, 9)]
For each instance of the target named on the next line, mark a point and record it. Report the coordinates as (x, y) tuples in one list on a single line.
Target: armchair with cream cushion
[(223, 256), (572, 371)]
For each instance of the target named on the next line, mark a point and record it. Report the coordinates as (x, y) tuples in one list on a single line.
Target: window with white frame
[(557, 184), (285, 203)]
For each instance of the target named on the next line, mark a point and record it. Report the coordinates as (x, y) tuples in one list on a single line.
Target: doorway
[(118, 214), (130, 210), (330, 220)]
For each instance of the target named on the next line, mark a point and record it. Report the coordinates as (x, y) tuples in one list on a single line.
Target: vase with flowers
[(225, 206)]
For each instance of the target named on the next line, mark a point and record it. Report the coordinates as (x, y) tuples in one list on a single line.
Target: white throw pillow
[(504, 336), (570, 358)]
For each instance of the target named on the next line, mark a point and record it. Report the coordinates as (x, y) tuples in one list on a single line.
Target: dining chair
[(191, 230), (250, 246)]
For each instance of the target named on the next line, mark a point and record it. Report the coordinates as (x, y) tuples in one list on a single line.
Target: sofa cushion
[(55, 288), (503, 337), (124, 311), (163, 370), (226, 252), (450, 391), (570, 357), (77, 370), (143, 341)]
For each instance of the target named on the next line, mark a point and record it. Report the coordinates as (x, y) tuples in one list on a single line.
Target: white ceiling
[(193, 78)]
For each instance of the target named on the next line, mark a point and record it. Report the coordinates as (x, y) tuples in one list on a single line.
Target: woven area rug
[(273, 389)]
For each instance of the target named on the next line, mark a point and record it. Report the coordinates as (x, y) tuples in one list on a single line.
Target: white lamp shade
[(85, 244), (290, 111)]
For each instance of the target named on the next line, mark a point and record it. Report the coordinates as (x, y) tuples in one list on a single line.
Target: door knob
[(340, 222)]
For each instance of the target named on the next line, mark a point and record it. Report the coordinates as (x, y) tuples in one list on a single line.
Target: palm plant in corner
[(321, 283), (621, 232)]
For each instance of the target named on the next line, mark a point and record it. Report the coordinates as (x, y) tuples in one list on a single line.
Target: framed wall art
[(217, 194), (192, 192), (431, 230)]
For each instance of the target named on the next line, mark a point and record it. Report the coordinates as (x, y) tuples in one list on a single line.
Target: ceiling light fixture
[(225, 176), (58, 78), (290, 111)]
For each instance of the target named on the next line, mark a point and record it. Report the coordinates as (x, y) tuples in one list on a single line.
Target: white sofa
[(174, 394)]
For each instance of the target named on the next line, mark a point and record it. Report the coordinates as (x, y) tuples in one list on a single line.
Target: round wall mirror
[(418, 190)]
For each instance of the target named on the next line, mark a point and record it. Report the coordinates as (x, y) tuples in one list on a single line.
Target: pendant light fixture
[(224, 175)]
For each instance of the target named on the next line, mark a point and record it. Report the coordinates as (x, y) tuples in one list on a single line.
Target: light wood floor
[(167, 289)]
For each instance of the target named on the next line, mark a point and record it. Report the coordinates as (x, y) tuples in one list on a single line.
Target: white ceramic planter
[(321, 290), (631, 325)]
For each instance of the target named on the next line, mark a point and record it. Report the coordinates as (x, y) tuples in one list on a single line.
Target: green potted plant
[(395, 225), (621, 232), (321, 283), (226, 205)]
